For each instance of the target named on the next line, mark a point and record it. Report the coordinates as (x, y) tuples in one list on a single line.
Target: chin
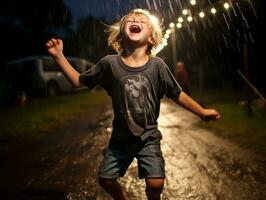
[(134, 39)]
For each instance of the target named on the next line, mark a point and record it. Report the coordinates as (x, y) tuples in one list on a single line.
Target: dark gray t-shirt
[(135, 92)]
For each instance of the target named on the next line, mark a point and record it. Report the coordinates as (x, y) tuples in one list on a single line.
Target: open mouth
[(135, 29)]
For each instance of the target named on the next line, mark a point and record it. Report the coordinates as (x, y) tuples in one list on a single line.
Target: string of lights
[(188, 15)]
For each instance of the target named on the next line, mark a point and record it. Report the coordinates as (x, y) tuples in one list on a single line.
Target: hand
[(54, 47), (210, 114)]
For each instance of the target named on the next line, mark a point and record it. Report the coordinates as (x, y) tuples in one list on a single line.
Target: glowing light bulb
[(226, 6), (178, 25), (201, 14), (180, 19), (193, 2), (189, 18), (185, 12), (213, 10), (171, 25), (168, 31)]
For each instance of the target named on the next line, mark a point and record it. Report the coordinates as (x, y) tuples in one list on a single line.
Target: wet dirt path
[(199, 165)]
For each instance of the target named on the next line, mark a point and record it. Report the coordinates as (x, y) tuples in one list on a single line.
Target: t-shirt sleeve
[(171, 88), (94, 76)]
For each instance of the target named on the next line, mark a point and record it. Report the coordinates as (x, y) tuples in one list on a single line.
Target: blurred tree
[(27, 24), (90, 40)]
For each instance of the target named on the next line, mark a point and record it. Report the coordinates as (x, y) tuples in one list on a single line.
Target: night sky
[(109, 9), (112, 9), (170, 9)]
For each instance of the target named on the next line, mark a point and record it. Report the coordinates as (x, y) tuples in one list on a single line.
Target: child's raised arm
[(188, 103), (55, 49)]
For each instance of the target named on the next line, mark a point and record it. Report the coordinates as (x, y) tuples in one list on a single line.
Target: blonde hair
[(115, 31)]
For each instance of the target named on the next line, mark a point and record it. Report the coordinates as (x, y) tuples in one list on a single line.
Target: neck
[(135, 58), (134, 48)]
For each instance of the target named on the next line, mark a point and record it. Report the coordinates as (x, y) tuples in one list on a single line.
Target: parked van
[(41, 75)]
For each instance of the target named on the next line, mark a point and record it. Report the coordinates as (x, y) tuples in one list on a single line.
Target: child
[(136, 82)]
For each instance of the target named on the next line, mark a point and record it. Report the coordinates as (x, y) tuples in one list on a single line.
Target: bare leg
[(112, 187), (154, 188)]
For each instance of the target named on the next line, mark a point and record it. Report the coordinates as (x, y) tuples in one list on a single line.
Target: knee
[(154, 185), (106, 183)]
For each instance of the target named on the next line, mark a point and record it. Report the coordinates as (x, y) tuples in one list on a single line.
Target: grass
[(235, 124), (39, 115)]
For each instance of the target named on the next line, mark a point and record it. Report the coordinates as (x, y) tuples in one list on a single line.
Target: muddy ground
[(199, 165)]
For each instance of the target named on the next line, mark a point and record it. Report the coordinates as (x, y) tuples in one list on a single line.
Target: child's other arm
[(188, 103), (55, 49)]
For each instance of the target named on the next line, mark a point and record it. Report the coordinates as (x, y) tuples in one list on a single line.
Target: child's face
[(137, 28)]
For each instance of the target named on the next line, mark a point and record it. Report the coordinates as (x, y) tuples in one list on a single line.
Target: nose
[(136, 21)]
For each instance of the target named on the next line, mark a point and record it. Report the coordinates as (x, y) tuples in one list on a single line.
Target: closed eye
[(136, 21)]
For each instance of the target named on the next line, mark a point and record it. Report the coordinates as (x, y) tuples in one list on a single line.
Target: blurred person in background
[(182, 77)]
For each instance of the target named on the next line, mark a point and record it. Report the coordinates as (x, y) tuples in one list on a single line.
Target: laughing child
[(136, 82)]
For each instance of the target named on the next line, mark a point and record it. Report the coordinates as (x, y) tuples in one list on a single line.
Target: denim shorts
[(118, 157)]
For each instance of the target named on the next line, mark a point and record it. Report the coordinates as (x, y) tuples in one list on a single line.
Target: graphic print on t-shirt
[(138, 102)]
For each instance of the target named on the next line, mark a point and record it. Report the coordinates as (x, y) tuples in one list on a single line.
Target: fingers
[(53, 42), (49, 44), (214, 114), (218, 116), (211, 114)]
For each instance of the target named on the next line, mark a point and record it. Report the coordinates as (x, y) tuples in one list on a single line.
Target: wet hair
[(115, 31)]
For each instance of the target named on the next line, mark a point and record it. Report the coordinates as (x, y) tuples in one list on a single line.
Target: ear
[(151, 40)]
